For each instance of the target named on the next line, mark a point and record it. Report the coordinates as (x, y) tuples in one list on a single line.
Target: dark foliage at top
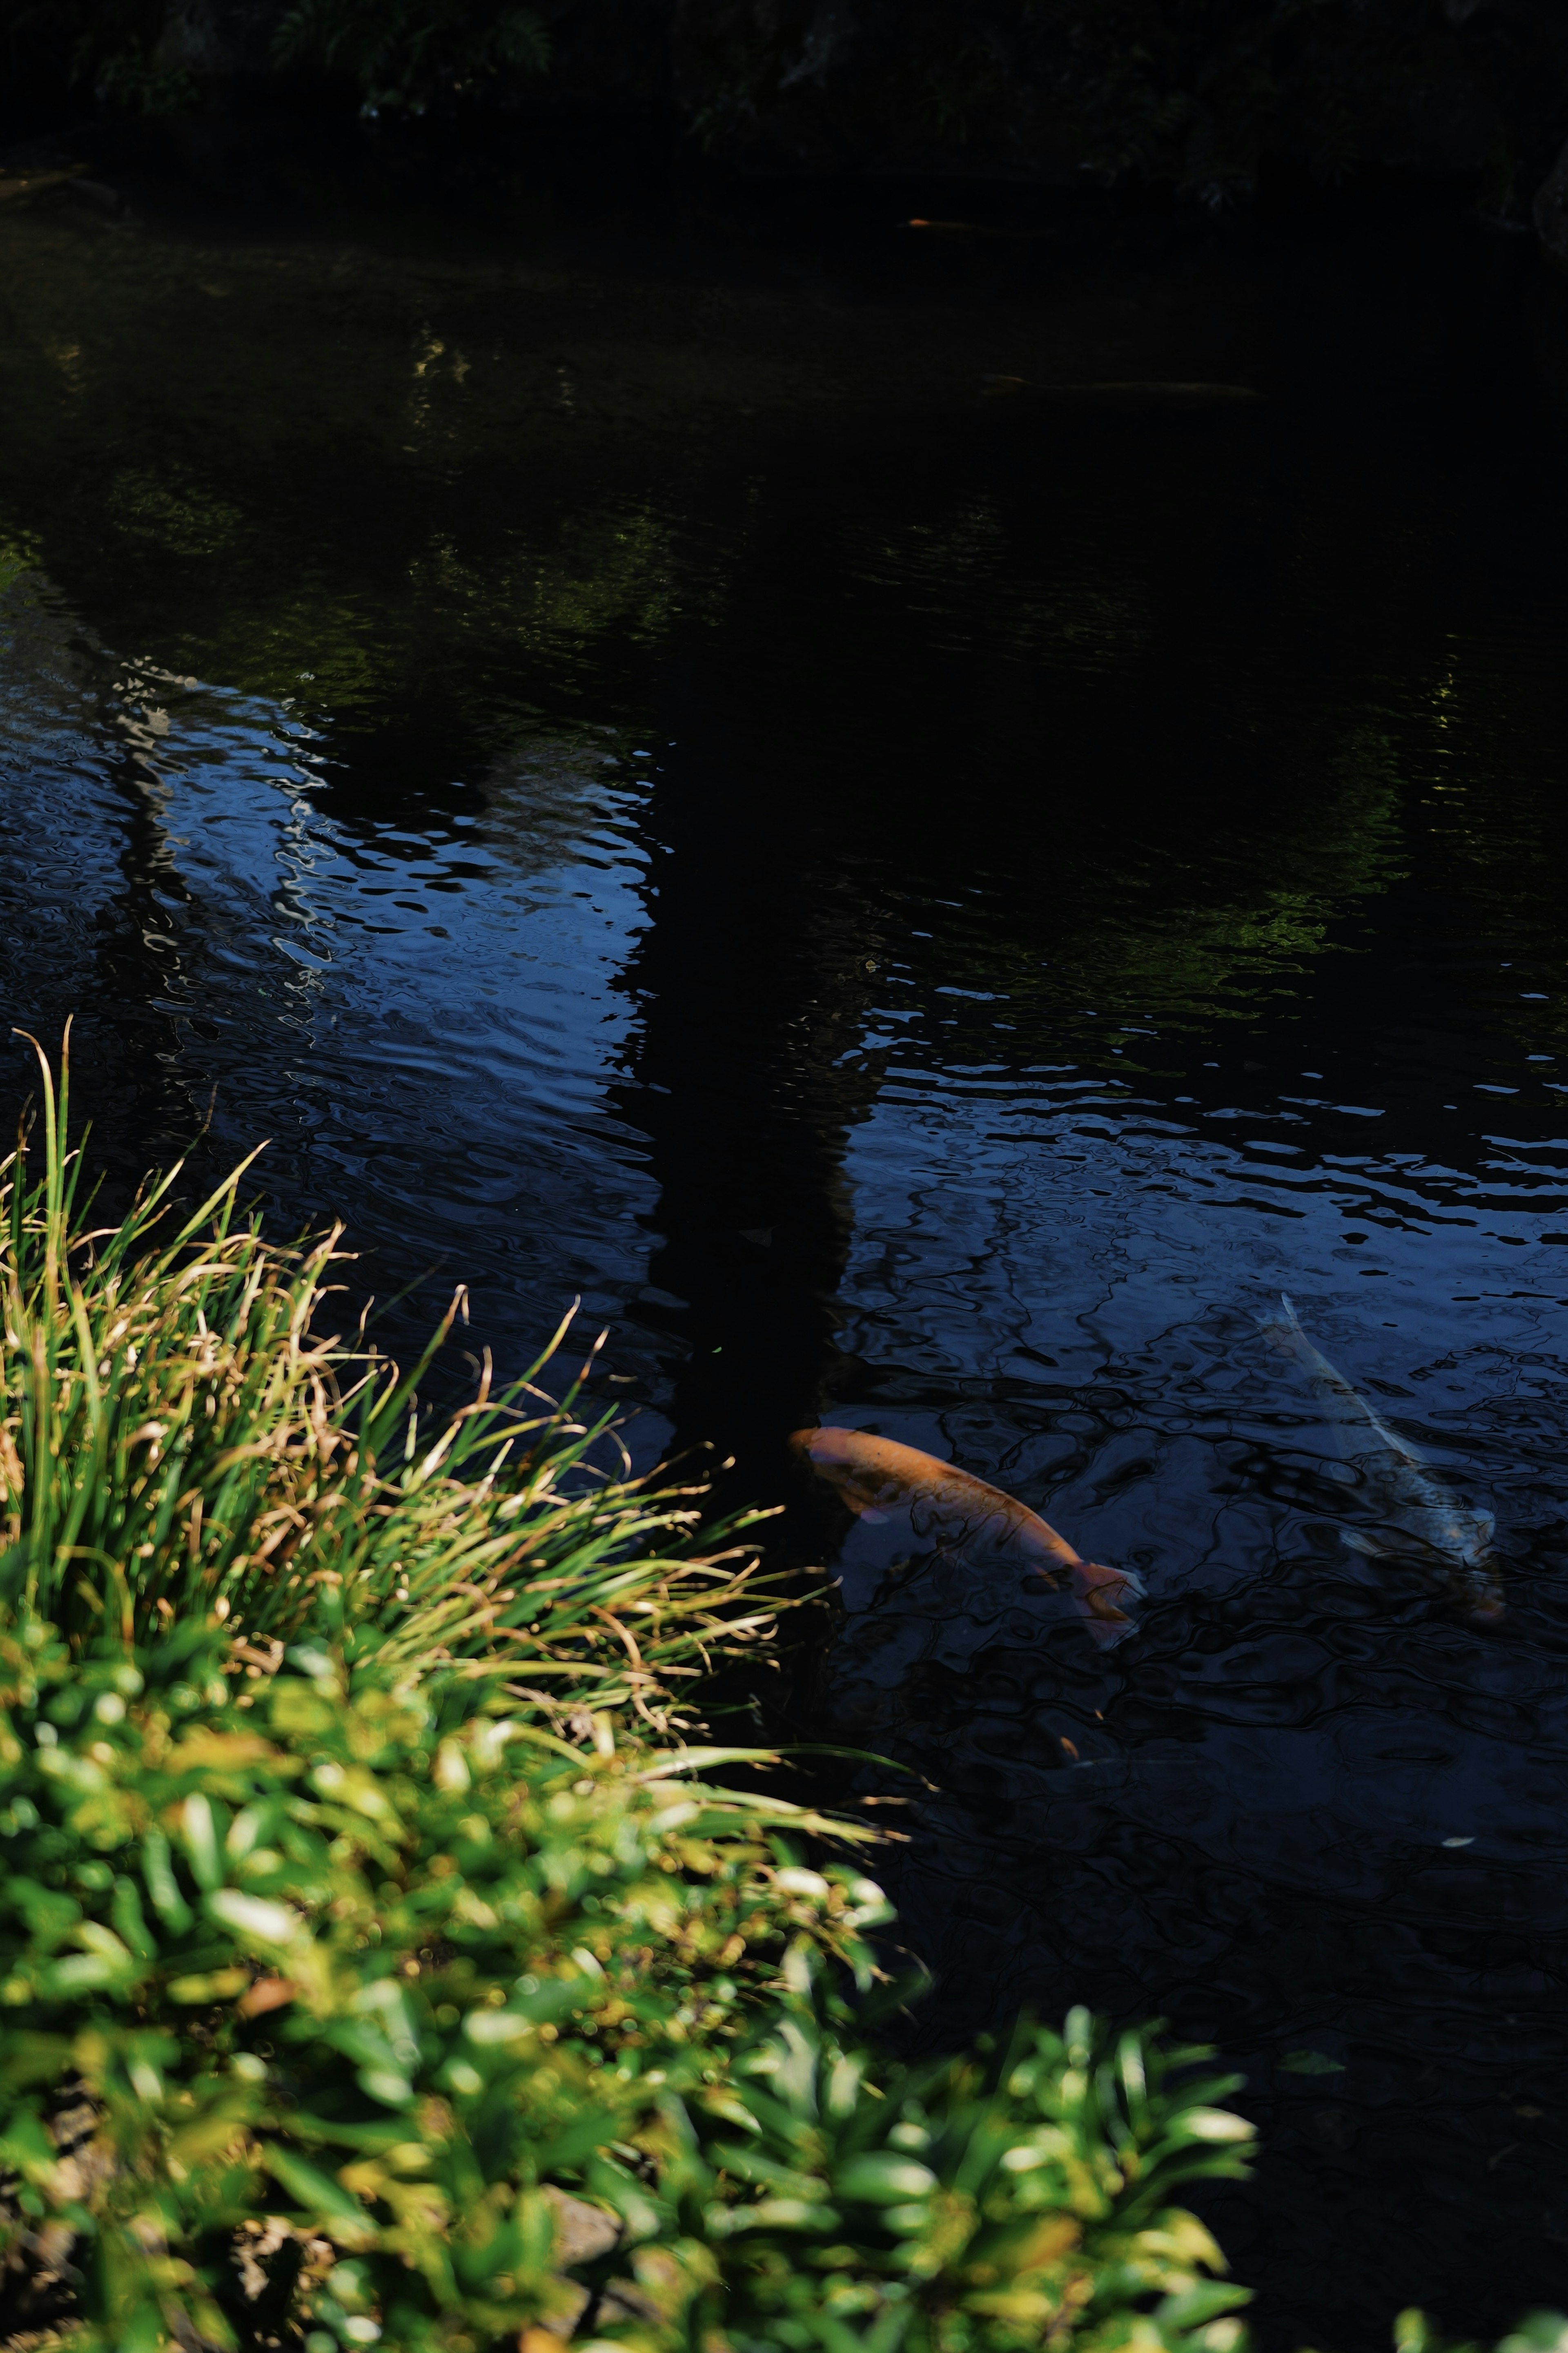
[(1197, 95), (406, 52), (1190, 93)]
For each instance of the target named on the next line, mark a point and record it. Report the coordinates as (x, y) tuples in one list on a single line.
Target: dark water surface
[(928, 910)]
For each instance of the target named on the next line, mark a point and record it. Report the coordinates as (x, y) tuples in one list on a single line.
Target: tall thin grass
[(184, 1431)]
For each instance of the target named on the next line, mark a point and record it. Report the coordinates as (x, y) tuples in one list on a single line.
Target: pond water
[(928, 909)]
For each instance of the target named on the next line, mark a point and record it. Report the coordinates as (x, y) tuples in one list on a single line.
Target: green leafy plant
[(337, 1959), (52, 47), (1193, 95), (1197, 94), (405, 53), (137, 80), (329, 1996), (1538, 2332), (1010, 2199)]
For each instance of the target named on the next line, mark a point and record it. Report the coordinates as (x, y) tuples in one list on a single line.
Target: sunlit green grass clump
[(383, 1959)]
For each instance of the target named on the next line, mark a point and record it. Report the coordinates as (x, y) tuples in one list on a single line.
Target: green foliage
[(1195, 93), (1001, 2201), (1190, 94), (138, 81), (329, 1951), (405, 53), (1538, 2332), (51, 47), (322, 1990)]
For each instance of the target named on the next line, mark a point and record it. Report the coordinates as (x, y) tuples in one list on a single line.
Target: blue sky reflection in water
[(932, 920)]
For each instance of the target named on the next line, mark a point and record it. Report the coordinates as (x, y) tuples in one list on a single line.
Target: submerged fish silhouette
[(876, 1477), (1415, 1517)]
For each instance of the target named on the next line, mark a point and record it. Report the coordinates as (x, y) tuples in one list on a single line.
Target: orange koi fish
[(877, 1477)]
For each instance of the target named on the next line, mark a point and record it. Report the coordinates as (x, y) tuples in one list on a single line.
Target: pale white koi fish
[(1414, 1516), (877, 1477)]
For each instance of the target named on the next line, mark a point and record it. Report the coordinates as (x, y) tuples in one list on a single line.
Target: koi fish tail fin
[(1479, 1581), (1105, 1626), (1480, 1595), (1093, 1576), (1100, 1593)]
